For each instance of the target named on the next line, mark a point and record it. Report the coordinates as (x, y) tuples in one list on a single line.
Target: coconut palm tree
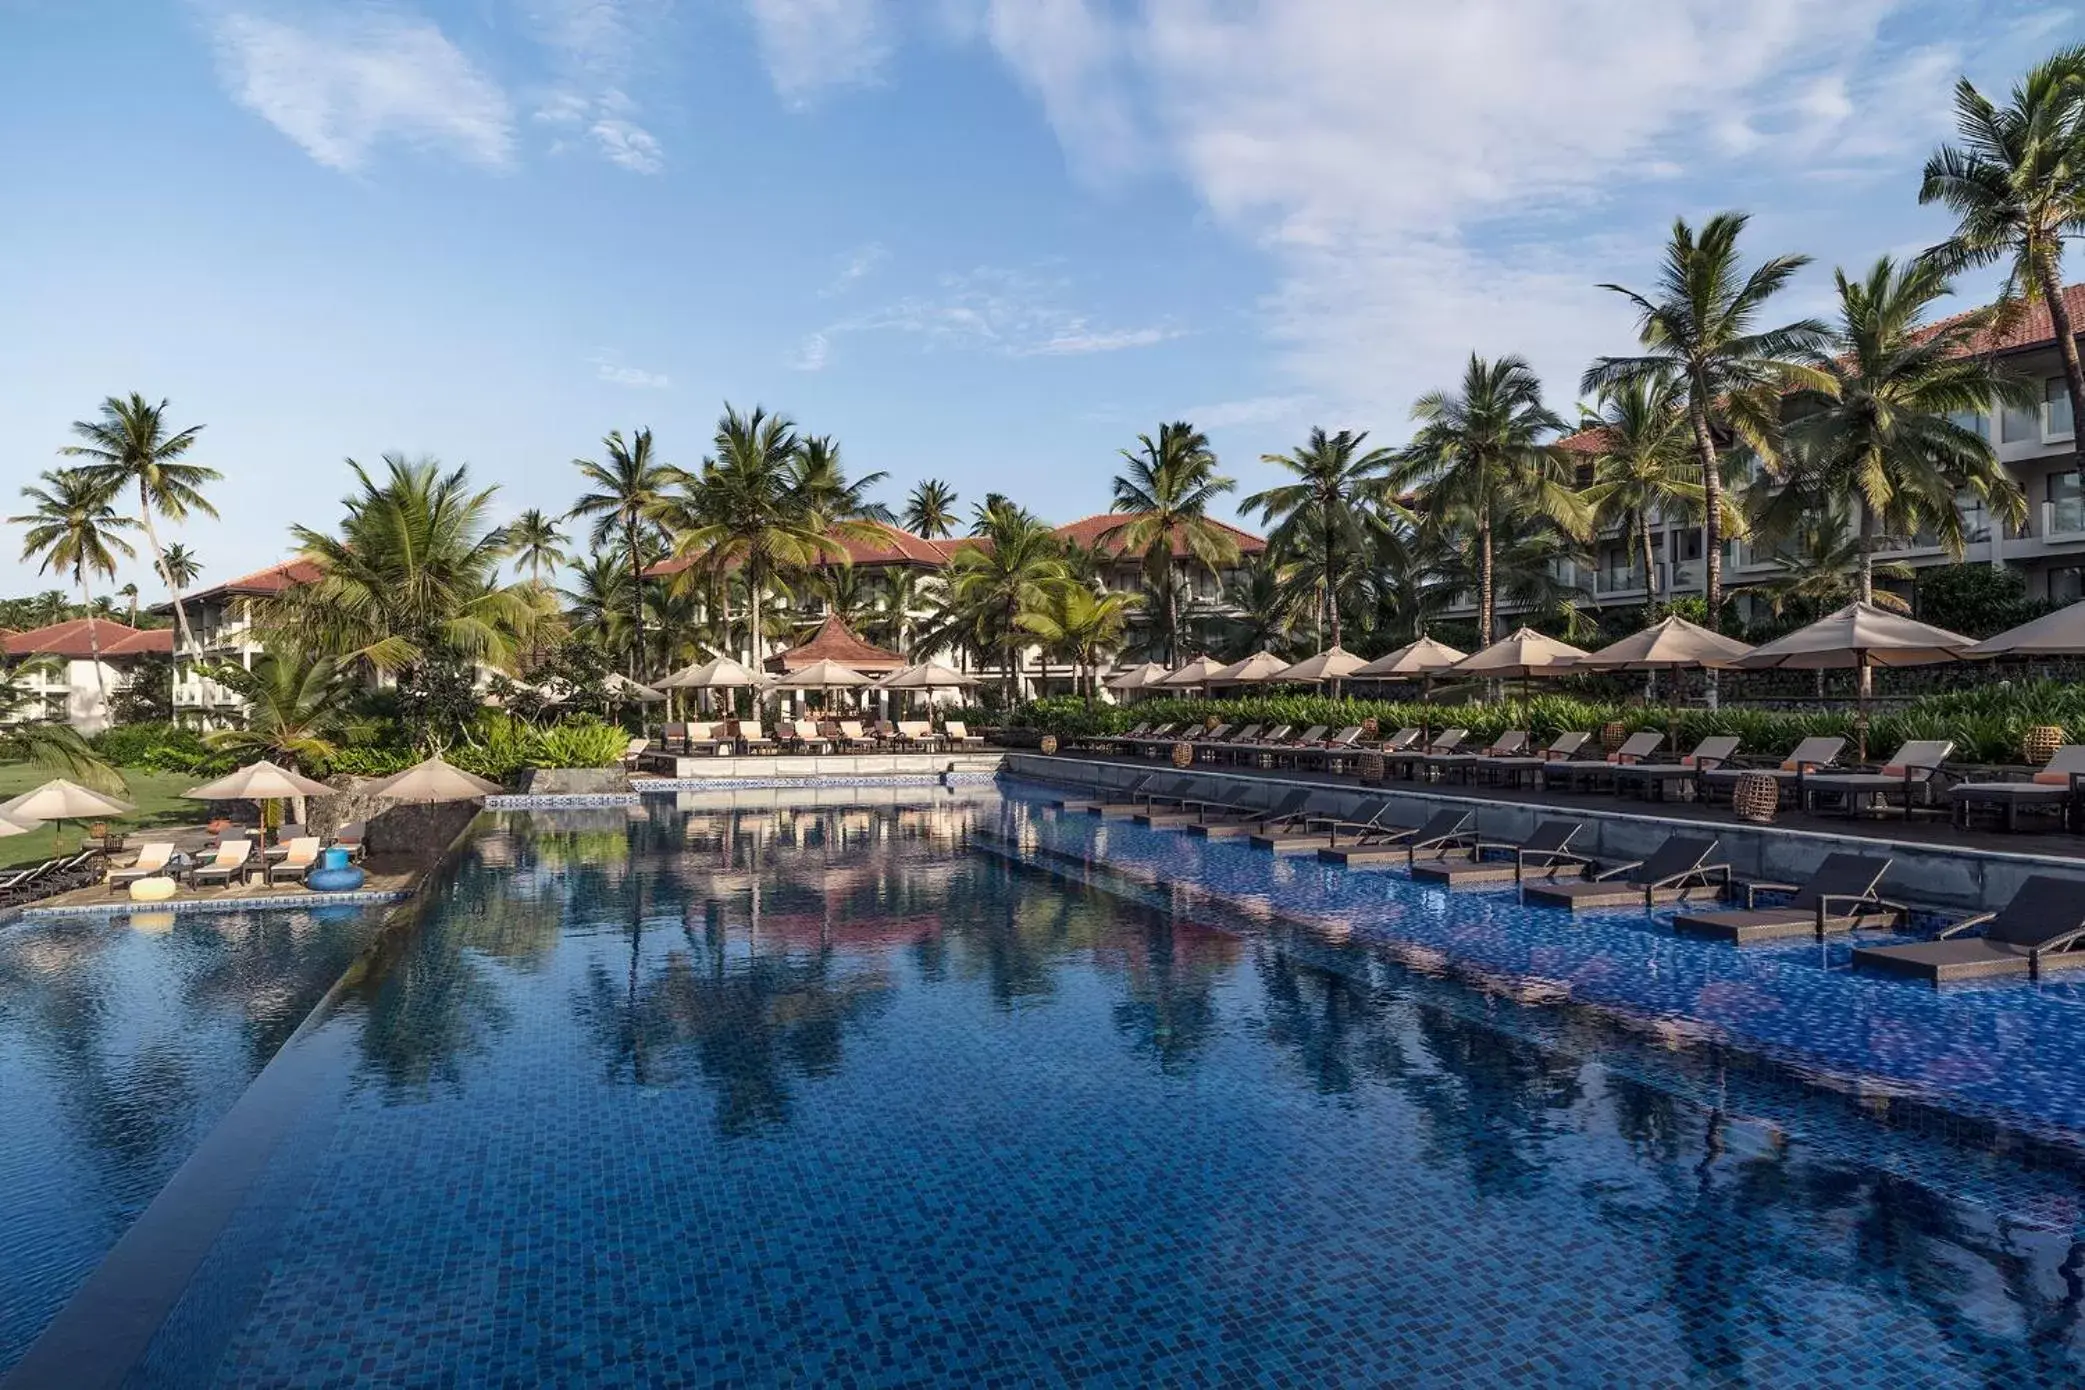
[(1264, 604), (1645, 466), (130, 446), (597, 600), (536, 545), (1484, 455), (1820, 567), (129, 594), (1879, 432), (413, 573), (990, 586), (824, 487), (28, 734), (632, 491), (74, 531), (930, 510), (2016, 184), (295, 704), (1337, 484), (1164, 497), (1081, 624), (181, 566), (1701, 330)]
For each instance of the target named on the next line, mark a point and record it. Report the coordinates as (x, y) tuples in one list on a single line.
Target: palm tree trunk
[(1650, 566), (753, 633), (1866, 572), (1331, 588), (1484, 593), (159, 557), (101, 684), (1712, 525), (636, 599), (2067, 349)]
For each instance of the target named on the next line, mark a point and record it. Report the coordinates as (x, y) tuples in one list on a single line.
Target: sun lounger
[(1839, 896), (1806, 760), (1368, 846), (28, 882), (705, 738), (2038, 931), (919, 734), (958, 735), (350, 837), (1093, 805), (1159, 790), (1195, 796), (1464, 767), (1333, 753), (1312, 828), (1406, 762), (1514, 770), (283, 835), (2056, 786), (750, 738), (225, 868), (674, 738), (302, 858), (1546, 853), (1676, 871), (1249, 743), (1909, 775), (1652, 779), (151, 862), (634, 751), (1400, 740), (1591, 774), (1222, 821)]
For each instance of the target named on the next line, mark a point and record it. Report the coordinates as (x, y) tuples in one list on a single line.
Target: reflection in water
[(830, 983), (122, 1040)]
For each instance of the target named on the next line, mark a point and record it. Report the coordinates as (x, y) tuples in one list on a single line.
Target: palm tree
[(598, 600), (129, 594), (1880, 433), (414, 572), (536, 545), (1484, 456), (1166, 494), (747, 509), (990, 586), (29, 735), (74, 530), (630, 495), (1645, 466), (930, 510), (295, 703), (1262, 597), (1337, 483), (1701, 331), (181, 565), (130, 446), (2016, 184), (823, 486), (1080, 623), (1821, 567)]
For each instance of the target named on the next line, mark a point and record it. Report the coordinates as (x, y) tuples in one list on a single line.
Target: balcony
[(2062, 519)]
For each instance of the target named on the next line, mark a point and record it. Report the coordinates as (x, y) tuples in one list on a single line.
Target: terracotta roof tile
[(835, 641), (75, 639), (1087, 532), (272, 580), (899, 548)]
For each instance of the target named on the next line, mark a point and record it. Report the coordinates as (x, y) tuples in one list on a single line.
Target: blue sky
[(985, 240)]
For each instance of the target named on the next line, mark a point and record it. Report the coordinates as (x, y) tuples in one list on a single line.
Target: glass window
[(2058, 396), (2066, 503), (2020, 424), (1975, 421), (2066, 585)]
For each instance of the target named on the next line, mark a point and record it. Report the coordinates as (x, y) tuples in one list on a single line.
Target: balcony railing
[(2063, 517)]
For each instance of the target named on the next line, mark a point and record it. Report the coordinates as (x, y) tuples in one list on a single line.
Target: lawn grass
[(157, 796)]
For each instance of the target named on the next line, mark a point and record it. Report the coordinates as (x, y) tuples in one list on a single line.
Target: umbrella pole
[(1672, 698), (1860, 710)]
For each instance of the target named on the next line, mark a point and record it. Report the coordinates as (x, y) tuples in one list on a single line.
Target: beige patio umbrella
[(1425, 659), (1194, 673), (1671, 645), (823, 674), (1135, 678), (718, 673), (1258, 667), (627, 689), (59, 801), (262, 781), (433, 779), (1858, 637), (2061, 633), (1334, 664), (10, 826), (928, 676), (1525, 653)]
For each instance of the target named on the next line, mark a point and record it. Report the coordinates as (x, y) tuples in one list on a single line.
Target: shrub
[(585, 741)]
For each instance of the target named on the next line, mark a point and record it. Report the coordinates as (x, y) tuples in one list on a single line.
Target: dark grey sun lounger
[(2055, 785), (1652, 779), (1592, 772), (1806, 760), (1400, 844), (1094, 807), (1911, 775), (1566, 746), (1838, 897), (1304, 831), (2038, 931), (1161, 789), (1222, 819), (1544, 854), (1675, 871)]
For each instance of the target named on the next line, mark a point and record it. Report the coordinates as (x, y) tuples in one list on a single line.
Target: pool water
[(871, 1095), (123, 1040)]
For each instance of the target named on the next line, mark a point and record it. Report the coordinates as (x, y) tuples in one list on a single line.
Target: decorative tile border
[(123, 907), (666, 786), (523, 801)]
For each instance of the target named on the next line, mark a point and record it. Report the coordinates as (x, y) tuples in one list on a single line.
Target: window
[(2020, 424), (2066, 585), (2066, 509), (1975, 421), (2057, 393)]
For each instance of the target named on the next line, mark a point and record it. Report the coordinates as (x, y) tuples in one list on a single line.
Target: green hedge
[(1985, 724)]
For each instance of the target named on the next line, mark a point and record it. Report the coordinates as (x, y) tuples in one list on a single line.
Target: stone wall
[(396, 830), (575, 781)]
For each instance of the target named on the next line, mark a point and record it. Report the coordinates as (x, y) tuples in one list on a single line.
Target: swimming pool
[(875, 1094), (123, 1040)]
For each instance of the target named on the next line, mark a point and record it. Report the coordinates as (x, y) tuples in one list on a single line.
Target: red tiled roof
[(1087, 531), (75, 639), (835, 641), (272, 580), (898, 548)]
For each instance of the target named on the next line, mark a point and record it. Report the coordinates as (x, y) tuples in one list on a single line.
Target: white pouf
[(156, 889)]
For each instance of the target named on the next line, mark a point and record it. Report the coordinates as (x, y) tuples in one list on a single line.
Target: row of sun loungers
[(52, 876), (294, 855), (2042, 929), (748, 736), (1811, 778)]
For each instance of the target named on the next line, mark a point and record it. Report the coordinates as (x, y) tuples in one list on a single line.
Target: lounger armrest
[(1754, 887), (1551, 857), (1702, 765), (1825, 901), (1965, 924), (1705, 872), (1606, 874), (2060, 943)]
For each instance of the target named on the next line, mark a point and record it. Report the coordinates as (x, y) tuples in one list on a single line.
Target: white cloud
[(855, 265), (1010, 313), (608, 368), (342, 86), (812, 45), (599, 48), (1435, 178), (1251, 410)]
